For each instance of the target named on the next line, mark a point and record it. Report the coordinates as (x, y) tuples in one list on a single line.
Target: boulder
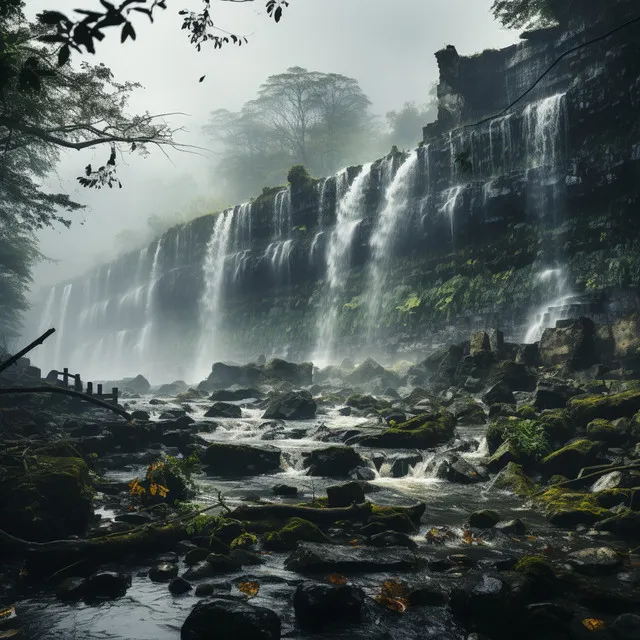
[(226, 374), (553, 395), (71, 589), (507, 452), (513, 527), (178, 586), (479, 342), (142, 416), (164, 572), (333, 462), (172, 388), (223, 410), (571, 344), (234, 394), (456, 469), (362, 401), (107, 585), (47, 498), (584, 409), (299, 375), (227, 459), (296, 530), (484, 519), (468, 412), (499, 393), (611, 433), (344, 495), (370, 370), (322, 605), (595, 561), (311, 558), (295, 405), (513, 478), (422, 432), (626, 627), (571, 458), (284, 490), (517, 376), (139, 384), (626, 336), (223, 619)]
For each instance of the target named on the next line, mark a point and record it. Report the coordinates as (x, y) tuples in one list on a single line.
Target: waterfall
[(350, 211), (450, 197), (212, 297), (385, 235), (145, 334), (242, 234), (62, 321)]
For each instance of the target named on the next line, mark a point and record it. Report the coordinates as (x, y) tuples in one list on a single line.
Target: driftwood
[(317, 516), (69, 392), (7, 363), (601, 470)]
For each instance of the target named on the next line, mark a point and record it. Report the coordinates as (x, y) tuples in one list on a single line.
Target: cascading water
[(210, 303), (385, 235), (241, 239), (322, 191), (350, 212), (62, 322)]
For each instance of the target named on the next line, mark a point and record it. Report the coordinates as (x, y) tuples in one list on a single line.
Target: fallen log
[(69, 392), (357, 512), (7, 363)]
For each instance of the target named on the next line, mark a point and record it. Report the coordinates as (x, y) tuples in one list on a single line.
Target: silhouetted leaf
[(202, 78), (127, 32), (52, 17), (63, 55), (277, 14)]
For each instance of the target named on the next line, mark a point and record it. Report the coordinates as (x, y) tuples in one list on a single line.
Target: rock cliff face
[(517, 221)]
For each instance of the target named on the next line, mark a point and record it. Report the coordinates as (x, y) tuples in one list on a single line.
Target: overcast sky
[(387, 45)]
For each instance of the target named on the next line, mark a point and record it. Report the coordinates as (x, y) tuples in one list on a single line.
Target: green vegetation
[(296, 530)]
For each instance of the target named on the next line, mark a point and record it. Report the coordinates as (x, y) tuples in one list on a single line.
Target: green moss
[(513, 478), (619, 405), (421, 432), (361, 401), (557, 425), (537, 566), (244, 541), (567, 508), (608, 498), (526, 412), (527, 436), (296, 530)]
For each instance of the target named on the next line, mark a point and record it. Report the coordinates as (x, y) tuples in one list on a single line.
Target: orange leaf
[(593, 624), (397, 606), (532, 538), (353, 542), (336, 578), (250, 589), (9, 612), (153, 488), (9, 633)]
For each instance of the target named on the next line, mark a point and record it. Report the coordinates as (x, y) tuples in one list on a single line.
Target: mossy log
[(357, 512)]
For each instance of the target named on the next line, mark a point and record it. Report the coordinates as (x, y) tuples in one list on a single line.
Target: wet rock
[(226, 459), (345, 411), (363, 473), (107, 584), (71, 589), (320, 605), (142, 416), (333, 462), (311, 558), (548, 618), (223, 563), (507, 452), (430, 594), (224, 375), (296, 405), (224, 410), (392, 539), (200, 571), (611, 433), (595, 561), (164, 572), (230, 619), (479, 342), (296, 530), (401, 465), (284, 490), (611, 480), (619, 405), (626, 627), (512, 527), (553, 395), (571, 344), (297, 374), (468, 412), (134, 518), (344, 495), (484, 519), (456, 469), (178, 586), (234, 394), (625, 524), (514, 478), (516, 376), (173, 388), (205, 589), (473, 385), (422, 432), (370, 370), (569, 508), (139, 384), (499, 393), (571, 458), (196, 555), (489, 602)]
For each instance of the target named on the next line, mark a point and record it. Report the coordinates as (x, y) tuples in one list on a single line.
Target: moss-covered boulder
[(515, 375), (46, 498), (571, 458), (513, 478), (626, 335), (333, 462), (566, 508), (612, 433), (584, 410), (362, 401), (296, 530), (507, 452), (625, 523), (422, 432), (571, 344), (228, 459), (527, 437), (557, 425)]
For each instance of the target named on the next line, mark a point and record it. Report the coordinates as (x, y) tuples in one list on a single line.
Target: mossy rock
[(244, 541), (527, 412), (565, 508), (537, 566), (513, 478), (422, 432), (46, 498), (557, 425), (296, 530), (571, 458), (361, 401), (608, 498), (625, 524), (528, 437), (584, 410), (612, 433)]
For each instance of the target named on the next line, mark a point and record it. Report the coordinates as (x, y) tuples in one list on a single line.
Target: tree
[(516, 14), (299, 117), (405, 125)]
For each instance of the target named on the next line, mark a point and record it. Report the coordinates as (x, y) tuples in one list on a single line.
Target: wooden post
[(99, 389), (65, 377), (89, 388), (77, 384), (114, 392)]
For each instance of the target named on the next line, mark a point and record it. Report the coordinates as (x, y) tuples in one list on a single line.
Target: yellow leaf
[(353, 542), (250, 589), (162, 491), (153, 488), (9, 612), (393, 604), (336, 578), (9, 633), (593, 624), (532, 538)]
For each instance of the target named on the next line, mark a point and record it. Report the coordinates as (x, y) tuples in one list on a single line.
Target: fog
[(387, 45)]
